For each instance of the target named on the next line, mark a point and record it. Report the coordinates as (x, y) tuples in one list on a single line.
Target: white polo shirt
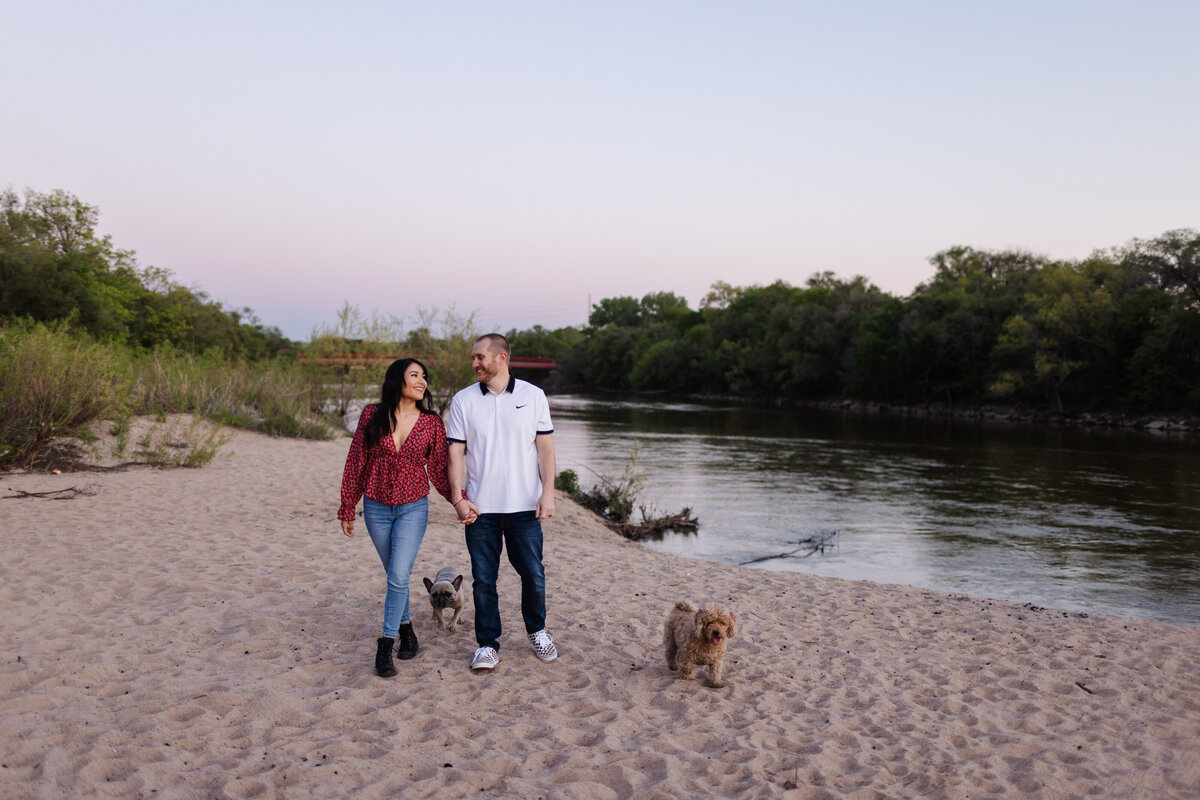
[(500, 432)]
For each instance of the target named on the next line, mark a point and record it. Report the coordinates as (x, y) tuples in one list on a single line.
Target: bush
[(53, 383), (567, 481), (612, 498), (171, 444)]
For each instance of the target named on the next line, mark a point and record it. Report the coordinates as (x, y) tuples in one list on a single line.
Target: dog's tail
[(684, 605)]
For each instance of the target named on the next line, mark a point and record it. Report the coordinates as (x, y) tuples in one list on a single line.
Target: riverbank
[(209, 632)]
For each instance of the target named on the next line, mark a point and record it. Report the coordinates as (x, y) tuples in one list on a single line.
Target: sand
[(196, 633)]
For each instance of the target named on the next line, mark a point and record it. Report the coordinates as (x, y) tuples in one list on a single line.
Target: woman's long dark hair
[(380, 424)]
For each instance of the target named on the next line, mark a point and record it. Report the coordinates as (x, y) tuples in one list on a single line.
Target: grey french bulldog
[(445, 592)]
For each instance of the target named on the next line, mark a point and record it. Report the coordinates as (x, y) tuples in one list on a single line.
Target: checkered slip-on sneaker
[(543, 645), (485, 658)]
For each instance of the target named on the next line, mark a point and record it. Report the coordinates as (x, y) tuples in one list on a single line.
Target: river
[(1103, 522)]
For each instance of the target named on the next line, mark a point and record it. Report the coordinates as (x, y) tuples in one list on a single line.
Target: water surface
[(1101, 522)]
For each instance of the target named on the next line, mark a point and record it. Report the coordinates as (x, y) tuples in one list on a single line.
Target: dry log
[(681, 522)]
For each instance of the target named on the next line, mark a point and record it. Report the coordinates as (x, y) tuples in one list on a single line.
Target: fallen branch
[(58, 494), (683, 521), (813, 544)]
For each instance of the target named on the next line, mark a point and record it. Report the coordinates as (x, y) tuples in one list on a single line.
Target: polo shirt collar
[(512, 382)]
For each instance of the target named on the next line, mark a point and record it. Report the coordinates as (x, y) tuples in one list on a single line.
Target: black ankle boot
[(383, 658), (408, 646)]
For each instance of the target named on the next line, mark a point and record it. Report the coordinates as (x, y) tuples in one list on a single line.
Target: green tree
[(1172, 260), (955, 319), (664, 307), (820, 345), (884, 358), (1065, 329), (564, 345), (750, 331), (1119, 329), (662, 366), (544, 343), (54, 266), (609, 355), (622, 312)]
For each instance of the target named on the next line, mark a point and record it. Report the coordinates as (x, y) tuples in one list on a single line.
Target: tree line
[(54, 266), (1117, 331)]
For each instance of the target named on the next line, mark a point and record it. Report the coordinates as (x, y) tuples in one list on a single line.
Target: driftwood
[(683, 521), (57, 494), (811, 544)]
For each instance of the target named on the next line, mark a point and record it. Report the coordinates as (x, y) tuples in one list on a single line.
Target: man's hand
[(467, 512), (545, 458), (348, 528), (545, 506)]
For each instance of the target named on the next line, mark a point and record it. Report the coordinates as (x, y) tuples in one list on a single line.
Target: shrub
[(567, 481), (169, 444), (53, 383), (613, 498)]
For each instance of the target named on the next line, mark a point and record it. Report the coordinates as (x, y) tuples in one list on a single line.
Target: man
[(501, 438)]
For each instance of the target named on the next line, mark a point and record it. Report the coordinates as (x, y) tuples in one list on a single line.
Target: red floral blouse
[(391, 477)]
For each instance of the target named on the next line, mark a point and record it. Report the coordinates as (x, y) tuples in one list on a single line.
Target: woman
[(398, 448)]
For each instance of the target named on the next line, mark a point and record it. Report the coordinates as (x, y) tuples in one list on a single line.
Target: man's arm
[(457, 474), (545, 456)]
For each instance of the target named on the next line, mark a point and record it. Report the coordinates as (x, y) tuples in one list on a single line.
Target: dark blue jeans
[(521, 535)]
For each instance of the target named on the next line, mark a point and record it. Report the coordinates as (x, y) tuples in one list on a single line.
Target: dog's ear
[(428, 585), (458, 582), (699, 619)]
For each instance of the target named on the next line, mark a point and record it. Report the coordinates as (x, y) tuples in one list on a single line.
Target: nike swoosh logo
[(523, 406)]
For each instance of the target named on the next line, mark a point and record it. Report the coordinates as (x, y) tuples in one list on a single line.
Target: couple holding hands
[(493, 460)]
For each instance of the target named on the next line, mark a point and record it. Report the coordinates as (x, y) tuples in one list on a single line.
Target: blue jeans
[(397, 532), (521, 534)]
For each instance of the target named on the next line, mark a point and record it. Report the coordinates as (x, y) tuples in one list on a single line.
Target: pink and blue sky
[(520, 159)]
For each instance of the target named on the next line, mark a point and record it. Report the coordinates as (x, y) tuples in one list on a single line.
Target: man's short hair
[(496, 342)]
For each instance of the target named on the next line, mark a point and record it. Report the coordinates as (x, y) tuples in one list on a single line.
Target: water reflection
[(1091, 521)]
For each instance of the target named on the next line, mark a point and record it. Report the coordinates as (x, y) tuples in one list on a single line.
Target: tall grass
[(279, 398), (52, 383), (55, 382)]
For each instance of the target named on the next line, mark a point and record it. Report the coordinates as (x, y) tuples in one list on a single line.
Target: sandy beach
[(209, 633)]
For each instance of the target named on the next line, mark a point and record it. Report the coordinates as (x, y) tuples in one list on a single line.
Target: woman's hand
[(467, 512), (348, 528)]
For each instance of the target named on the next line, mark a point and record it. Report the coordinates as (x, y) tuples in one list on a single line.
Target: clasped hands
[(466, 510)]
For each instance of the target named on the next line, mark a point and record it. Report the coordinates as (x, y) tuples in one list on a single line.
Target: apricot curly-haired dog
[(694, 636)]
